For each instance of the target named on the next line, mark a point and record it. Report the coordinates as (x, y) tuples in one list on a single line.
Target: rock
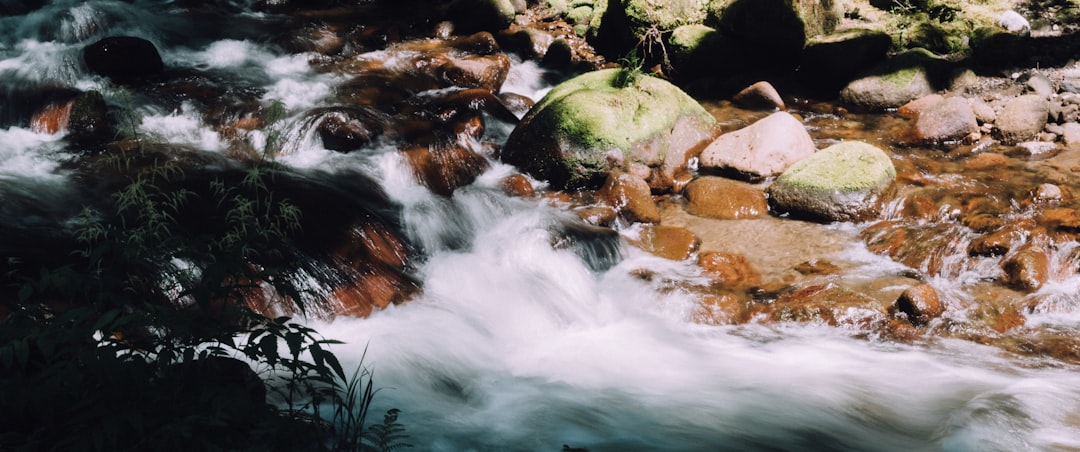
[(51, 119), (717, 197), (947, 121), (763, 149), (897, 81), (668, 242), (89, 125), (1040, 84), (920, 303), (831, 61), (629, 23), (827, 304), (699, 51), (487, 72), (608, 119), (771, 34), (1014, 23), (1071, 134), (984, 113), (486, 15), (1027, 269), (123, 58), (518, 185), (444, 168), (761, 95), (729, 270), (516, 103), (996, 243), (347, 129), (844, 182), (1022, 118), (530, 43), (631, 197), (912, 109)]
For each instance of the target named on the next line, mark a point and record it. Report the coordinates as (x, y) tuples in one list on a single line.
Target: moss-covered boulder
[(608, 119), (831, 61), (486, 15), (844, 182), (771, 34), (697, 50), (897, 81)]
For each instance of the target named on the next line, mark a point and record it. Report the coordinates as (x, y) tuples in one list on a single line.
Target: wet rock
[(761, 95), (1022, 118), (444, 168), (817, 267), (984, 162), (827, 304), (516, 103), (901, 79), (996, 243), (89, 126), (631, 197), (1061, 218), (668, 242), (947, 121), (487, 72), (1047, 194), (530, 43), (844, 182), (763, 149), (123, 58), (486, 15), (920, 303), (518, 185), (1027, 269), (608, 119), (729, 270), (919, 208), (724, 308), (346, 130), (51, 119), (598, 215), (717, 197)]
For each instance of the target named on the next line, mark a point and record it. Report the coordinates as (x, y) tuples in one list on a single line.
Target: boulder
[(347, 129), (912, 109), (897, 81), (763, 149), (606, 119), (123, 58), (920, 304), (1022, 118), (1027, 269), (486, 15), (444, 168), (699, 50), (668, 242), (771, 34), (949, 120), (630, 196), (484, 71), (89, 125), (844, 182), (761, 95), (827, 304), (717, 197), (627, 24)]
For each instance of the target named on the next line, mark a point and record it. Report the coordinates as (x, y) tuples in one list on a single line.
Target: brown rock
[(1009, 318), (631, 196), (919, 207), (761, 95), (828, 304), (763, 149), (445, 168), (994, 244), (983, 162), (668, 242), (345, 130), (717, 197), (726, 308), (912, 109), (984, 113), (518, 185), (817, 267), (487, 72), (920, 303), (729, 270), (946, 121), (1027, 269), (51, 119), (598, 215)]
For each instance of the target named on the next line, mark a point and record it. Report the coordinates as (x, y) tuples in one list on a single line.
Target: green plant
[(631, 71)]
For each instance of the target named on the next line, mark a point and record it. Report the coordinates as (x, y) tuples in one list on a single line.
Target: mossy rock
[(772, 33), (831, 61), (898, 80), (484, 15), (844, 182), (611, 118), (698, 50)]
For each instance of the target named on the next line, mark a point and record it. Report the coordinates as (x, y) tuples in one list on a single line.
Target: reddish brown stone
[(51, 119), (518, 185), (668, 242), (726, 308), (598, 215), (729, 270), (1027, 269), (912, 109), (982, 162), (993, 244), (919, 207), (717, 197), (828, 304), (920, 303), (631, 196), (1008, 319), (445, 168), (487, 72), (817, 267)]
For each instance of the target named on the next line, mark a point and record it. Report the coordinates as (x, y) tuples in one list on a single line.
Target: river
[(514, 343)]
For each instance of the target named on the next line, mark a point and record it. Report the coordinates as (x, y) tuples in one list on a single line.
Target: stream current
[(515, 344)]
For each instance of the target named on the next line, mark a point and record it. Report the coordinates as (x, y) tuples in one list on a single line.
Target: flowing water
[(527, 335)]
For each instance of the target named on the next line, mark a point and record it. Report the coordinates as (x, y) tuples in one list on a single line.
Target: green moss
[(666, 15), (901, 77), (847, 167), (690, 37)]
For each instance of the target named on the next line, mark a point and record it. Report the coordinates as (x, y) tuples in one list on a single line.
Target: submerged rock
[(920, 304), (607, 119), (763, 149), (844, 182), (630, 196), (668, 242), (717, 197)]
